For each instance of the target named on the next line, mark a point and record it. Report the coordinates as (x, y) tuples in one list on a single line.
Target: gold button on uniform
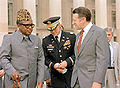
[(60, 55), (59, 51)]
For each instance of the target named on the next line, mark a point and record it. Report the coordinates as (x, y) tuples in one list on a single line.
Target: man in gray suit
[(21, 54), (91, 51), (1, 75), (113, 71)]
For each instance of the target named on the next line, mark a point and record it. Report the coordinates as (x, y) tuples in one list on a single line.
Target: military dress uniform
[(56, 54), (58, 51)]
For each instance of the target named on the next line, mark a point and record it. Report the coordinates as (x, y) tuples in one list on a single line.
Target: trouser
[(110, 80)]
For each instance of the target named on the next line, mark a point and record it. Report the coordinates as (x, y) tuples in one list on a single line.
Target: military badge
[(67, 43), (49, 22), (50, 47)]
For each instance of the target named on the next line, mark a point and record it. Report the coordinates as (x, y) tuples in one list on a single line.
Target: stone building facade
[(104, 13)]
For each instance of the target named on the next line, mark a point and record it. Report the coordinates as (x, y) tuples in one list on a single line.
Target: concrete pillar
[(101, 13), (118, 20), (78, 3), (30, 5), (55, 7), (3, 18)]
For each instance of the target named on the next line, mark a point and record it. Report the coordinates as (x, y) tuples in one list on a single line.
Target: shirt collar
[(87, 28), (24, 36), (110, 43), (59, 35)]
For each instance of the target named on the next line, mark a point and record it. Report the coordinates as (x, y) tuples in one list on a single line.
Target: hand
[(55, 66), (2, 73), (39, 85), (119, 77), (63, 65), (96, 85), (48, 82), (14, 75), (60, 70)]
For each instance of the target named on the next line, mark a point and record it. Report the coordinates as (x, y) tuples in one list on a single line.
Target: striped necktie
[(80, 39)]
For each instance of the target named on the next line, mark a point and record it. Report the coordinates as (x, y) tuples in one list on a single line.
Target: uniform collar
[(21, 36)]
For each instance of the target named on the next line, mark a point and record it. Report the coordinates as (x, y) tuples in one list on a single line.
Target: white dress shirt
[(111, 51)]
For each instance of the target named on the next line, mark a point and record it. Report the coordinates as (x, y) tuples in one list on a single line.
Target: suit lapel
[(75, 48), (86, 39)]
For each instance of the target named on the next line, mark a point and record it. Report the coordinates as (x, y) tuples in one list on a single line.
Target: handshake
[(61, 67)]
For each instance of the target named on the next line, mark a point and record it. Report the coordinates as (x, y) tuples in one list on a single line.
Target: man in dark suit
[(91, 51), (59, 53)]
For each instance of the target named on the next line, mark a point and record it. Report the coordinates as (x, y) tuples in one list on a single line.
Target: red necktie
[(80, 39)]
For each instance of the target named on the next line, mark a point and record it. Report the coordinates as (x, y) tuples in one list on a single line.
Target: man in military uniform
[(59, 53)]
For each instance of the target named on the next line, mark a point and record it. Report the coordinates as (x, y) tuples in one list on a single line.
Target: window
[(10, 14), (114, 19), (113, 2), (115, 38), (37, 16), (93, 16)]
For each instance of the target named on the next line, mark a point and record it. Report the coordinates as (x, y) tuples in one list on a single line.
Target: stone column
[(3, 19), (55, 8), (118, 20), (78, 3), (101, 13), (30, 5)]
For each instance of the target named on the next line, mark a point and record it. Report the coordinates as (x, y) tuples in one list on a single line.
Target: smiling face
[(26, 27), (78, 22)]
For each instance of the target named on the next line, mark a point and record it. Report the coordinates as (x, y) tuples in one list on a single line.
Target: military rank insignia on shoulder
[(71, 33)]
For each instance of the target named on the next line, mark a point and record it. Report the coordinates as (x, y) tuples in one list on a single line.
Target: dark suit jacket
[(56, 54)]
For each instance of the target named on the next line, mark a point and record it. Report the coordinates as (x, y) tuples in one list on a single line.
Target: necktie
[(56, 38), (80, 39), (110, 55)]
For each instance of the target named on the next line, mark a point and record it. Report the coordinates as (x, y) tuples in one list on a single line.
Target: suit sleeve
[(5, 55), (40, 62), (48, 61), (118, 59), (102, 56), (0, 66), (71, 59)]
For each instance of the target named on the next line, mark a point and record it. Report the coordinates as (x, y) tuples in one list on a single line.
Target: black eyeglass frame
[(28, 25)]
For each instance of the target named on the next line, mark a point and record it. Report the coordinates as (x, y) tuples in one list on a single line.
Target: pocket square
[(36, 47)]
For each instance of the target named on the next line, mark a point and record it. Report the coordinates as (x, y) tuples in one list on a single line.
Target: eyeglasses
[(28, 25)]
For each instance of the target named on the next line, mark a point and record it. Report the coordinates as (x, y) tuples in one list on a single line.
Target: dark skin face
[(26, 27)]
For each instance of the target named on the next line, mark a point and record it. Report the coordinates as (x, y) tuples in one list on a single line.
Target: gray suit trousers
[(110, 80)]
